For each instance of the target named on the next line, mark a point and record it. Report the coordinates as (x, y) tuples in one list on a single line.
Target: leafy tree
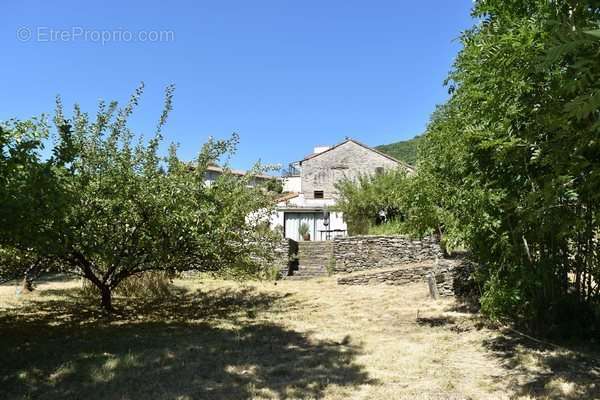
[(32, 194), (372, 199), (393, 202), (515, 155), (274, 186), (126, 210)]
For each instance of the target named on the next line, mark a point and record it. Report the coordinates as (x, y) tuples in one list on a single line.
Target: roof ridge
[(349, 139)]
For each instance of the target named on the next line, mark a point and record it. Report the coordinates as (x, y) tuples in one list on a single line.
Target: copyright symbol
[(23, 34)]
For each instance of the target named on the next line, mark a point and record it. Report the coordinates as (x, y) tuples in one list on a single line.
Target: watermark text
[(101, 36)]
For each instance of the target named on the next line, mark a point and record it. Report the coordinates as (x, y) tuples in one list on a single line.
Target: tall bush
[(516, 157)]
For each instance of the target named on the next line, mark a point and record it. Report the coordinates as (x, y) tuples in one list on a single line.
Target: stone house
[(310, 191)]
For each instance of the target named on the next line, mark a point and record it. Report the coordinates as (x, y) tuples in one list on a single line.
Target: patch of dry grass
[(297, 339)]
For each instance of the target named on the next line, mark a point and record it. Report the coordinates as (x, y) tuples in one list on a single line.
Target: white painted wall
[(276, 219), (292, 184), (314, 219)]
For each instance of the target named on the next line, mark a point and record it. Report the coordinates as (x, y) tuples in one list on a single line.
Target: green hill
[(405, 150)]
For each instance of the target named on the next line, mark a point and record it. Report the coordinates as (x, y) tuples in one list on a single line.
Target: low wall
[(452, 276), (286, 255), (359, 253), (399, 276)]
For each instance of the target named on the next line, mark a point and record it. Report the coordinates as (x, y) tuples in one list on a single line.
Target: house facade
[(310, 188)]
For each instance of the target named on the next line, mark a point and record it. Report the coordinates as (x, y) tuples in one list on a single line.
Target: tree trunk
[(26, 285), (28, 277), (106, 299), (105, 290)]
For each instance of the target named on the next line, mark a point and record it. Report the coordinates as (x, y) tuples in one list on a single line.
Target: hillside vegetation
[(404, 150)]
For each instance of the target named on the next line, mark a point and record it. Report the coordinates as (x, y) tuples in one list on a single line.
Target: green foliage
[(110, 207), (32, 194), (330, 266), (513, 158), (393, 227), (371, 200), (405, 150), (271, 274), (149, 285), (389, 203), (303, 229), (510, 165), (274, 186)]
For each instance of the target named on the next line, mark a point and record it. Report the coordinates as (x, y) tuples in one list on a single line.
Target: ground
[(314, 339)]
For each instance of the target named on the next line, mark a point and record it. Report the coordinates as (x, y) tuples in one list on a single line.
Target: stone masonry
[(451, 275), (285, 256), (359, 253), (312, 260), (347, 160), (364, 260)]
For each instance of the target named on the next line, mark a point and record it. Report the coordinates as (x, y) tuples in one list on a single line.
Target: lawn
[(214, 339)]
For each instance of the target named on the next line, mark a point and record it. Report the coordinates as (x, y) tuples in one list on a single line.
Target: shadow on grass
[(205, 344), (543, 371), (45, 277), (435, 321), (466, 304)]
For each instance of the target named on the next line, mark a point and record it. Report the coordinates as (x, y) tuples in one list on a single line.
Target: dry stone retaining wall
[(451, 276), (285, 256), (359, 253)]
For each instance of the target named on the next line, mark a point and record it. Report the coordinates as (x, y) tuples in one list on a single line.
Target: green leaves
[(107, 205), (511, 155)]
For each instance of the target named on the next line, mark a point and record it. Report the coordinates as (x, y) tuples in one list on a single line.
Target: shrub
[(148, 285), (303, 230)]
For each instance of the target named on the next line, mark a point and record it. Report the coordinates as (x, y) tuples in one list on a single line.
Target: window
[(379, 170), (318, 194)]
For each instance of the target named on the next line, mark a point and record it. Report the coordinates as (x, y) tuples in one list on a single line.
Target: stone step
[(323, 254), (312, 259), (304, 276), (319, 257), (301, 277), (315, 245), (310, 270), (315, 251), (322, 264)]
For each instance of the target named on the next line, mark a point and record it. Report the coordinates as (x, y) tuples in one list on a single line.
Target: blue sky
[(285, 75)]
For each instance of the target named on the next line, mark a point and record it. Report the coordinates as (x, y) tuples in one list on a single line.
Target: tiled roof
[(286, 197)]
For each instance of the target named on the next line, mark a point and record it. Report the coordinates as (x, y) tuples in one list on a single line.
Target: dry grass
[(222, 340)]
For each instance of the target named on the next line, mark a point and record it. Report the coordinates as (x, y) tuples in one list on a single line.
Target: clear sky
[(284, 74)]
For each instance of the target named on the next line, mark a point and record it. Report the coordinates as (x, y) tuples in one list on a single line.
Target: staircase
[(313, 258)]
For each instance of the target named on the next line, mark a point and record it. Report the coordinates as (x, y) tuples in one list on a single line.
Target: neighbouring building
[(310, 192), (214, 171)]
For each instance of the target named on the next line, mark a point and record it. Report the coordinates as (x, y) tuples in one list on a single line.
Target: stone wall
[(397, 276), (452, 276), (346, 161), (286, 256), (359, 253)]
